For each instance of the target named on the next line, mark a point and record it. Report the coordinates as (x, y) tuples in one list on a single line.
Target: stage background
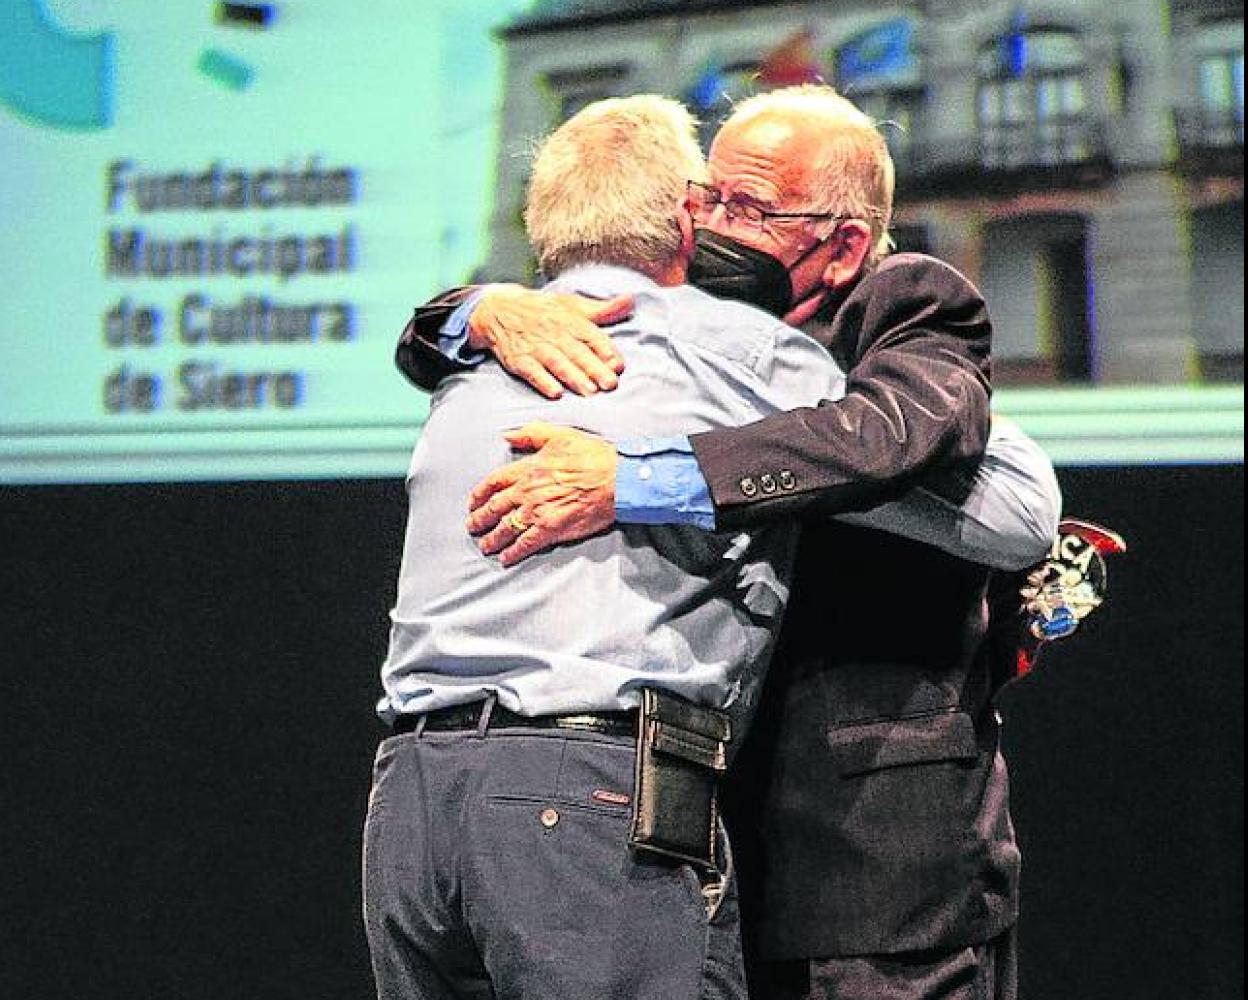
[(194, 597), (188, 681)]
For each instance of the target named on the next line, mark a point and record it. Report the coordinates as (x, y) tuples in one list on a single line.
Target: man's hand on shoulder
[(563, 493), (551, 341)]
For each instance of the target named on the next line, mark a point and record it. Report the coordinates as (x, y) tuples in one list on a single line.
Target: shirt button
[(749, 487), (549, 818), (645, 473), (788, 480), (769, 484)]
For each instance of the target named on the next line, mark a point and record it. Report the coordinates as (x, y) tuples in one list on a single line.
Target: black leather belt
[(468, 717)]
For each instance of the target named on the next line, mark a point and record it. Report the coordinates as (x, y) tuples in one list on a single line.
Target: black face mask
[(728, 269)]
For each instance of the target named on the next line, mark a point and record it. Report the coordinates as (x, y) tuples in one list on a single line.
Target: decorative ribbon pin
[(1067, 587)]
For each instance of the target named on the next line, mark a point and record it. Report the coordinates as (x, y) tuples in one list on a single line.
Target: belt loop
[(419, 731), (487, 712)]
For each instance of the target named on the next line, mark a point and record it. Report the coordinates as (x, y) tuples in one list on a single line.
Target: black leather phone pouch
[(682, 751)]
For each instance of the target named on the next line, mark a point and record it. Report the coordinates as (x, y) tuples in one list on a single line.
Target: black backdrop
[(186, 735)]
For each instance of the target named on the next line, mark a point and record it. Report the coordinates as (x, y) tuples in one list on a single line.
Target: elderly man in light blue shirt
[(496, 857)]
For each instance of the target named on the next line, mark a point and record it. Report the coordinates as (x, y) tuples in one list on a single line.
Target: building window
[(1218, 277), (896, 113), (576, 89), (1037, 282), (1033, 100), (880, 71), (911, 237), (1222, 84)]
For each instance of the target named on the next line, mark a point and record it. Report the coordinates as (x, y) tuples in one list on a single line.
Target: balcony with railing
[(1000, 158)]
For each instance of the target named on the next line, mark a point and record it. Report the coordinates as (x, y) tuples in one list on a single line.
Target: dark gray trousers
[(496, 867), (987, 972)]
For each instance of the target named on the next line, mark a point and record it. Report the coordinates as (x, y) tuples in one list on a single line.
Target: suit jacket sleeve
[(417, 355), (916, 338)]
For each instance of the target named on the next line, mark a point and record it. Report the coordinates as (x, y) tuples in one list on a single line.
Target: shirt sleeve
[(453, 337), (658, 482), (1008, 521)]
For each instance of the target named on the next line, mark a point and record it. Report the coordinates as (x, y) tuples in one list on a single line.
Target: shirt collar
[(602, 281)]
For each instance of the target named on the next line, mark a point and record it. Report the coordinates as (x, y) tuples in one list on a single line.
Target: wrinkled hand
[(563, 493), (551, 341)]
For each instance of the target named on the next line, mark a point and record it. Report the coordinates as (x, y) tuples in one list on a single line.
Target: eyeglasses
[(706, 199)]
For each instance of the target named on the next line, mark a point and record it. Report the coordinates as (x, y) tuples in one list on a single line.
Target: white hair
[(608, 183), (853, 172)]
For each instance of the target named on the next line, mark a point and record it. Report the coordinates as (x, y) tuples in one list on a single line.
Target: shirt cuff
[(658, 481), (453, 338)]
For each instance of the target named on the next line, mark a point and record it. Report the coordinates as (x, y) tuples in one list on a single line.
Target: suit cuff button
[(749, 487)]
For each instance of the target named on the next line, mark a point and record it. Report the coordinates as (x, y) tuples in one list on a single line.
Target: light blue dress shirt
[(582, 627)]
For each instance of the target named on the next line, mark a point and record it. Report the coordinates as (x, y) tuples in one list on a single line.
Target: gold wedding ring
[(516, 523)]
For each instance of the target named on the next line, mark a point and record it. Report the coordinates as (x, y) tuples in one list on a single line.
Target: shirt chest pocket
[(861, 748)]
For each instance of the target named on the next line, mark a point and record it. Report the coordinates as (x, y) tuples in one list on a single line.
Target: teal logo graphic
[(51, 77)]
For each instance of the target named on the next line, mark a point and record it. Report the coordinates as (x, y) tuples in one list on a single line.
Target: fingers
[(564, 360), (531, 370), (612, 311), (544, 528), (563, 493), (586, 347), (506, 529), (505, 533), (603, 351), (552, 342), (533, 436), (495, 498), (575, 364), (609, 313), (513, 546), (503, 490), (529, 543)]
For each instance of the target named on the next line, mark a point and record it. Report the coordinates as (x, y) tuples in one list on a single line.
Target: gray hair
[(607, 185)]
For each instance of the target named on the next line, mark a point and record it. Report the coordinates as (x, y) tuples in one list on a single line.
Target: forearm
[(1009, 519), (902, 419), (915, 338)]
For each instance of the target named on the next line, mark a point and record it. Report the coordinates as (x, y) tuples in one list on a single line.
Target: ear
[(851, 246), (684, 221)]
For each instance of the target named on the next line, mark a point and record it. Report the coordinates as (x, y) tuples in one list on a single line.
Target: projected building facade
[(1084, 164)]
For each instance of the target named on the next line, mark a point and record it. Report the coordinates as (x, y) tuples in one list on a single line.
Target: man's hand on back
[(563, 493), (551, 341)]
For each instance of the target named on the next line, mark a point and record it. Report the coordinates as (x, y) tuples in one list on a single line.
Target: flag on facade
[(793, 63), (710, 89), (1015, 55), (881, 56)]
